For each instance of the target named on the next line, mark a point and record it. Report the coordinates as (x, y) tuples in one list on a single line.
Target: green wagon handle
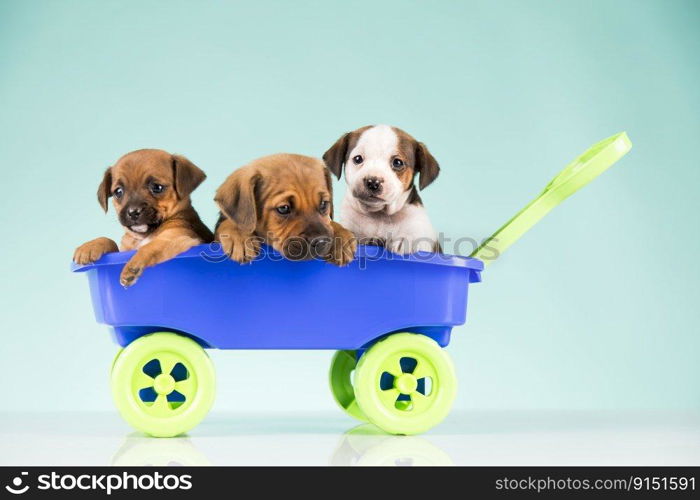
[(596, 160)]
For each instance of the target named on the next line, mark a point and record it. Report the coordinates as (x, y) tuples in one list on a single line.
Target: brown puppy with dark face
[(151, 194), (286, 201)]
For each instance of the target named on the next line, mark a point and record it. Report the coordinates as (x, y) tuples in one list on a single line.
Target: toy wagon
[(389, 329)]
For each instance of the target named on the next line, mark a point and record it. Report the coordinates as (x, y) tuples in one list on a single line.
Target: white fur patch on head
[(142, 228), (377, 146)]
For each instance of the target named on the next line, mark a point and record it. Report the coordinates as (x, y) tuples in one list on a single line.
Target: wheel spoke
[(160, 406), (392, 366), (186, 387), (141, 380), (420, 402), (423, 369), (167, 362), (389, 397), (396, 369)]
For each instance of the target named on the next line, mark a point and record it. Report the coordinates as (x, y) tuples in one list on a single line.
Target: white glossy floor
[(475, 438)]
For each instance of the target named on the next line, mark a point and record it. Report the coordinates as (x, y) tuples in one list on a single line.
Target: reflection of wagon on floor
[(387, 316)]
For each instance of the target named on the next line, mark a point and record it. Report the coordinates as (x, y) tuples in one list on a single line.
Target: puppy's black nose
[(320, 246), (373, 184), (134, 213)]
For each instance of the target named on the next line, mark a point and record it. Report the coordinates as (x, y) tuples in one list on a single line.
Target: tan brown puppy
[(286, 201), (151, 194)]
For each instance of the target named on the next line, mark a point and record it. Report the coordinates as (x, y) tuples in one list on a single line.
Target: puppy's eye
[(118, 193), (284, 209), (397, 163), (357, 159), (323, 207), (157, 188)]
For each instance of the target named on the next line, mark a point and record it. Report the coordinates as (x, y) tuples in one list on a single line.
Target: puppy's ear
[(426, 166), (237, 198), (335, 156), (104, 191), (186, 176), (329, 184)]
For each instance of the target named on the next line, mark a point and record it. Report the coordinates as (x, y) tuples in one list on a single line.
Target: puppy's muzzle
[(133, 214), (139, 217), (373, 185), (314, 244), (320, 246)]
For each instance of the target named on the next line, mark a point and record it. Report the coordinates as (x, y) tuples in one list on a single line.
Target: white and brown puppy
[(382, 205)]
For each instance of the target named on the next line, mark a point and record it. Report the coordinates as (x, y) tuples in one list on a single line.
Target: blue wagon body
[(274, 303)]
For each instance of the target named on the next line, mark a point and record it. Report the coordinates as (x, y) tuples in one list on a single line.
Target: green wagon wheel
[(163, 384), (405, 384), (340, 378)]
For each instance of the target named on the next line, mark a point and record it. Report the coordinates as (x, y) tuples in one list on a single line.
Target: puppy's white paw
[(406, 246), (424, 245)]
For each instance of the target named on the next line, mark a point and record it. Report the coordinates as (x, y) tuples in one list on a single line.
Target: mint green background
[(596, 308)]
